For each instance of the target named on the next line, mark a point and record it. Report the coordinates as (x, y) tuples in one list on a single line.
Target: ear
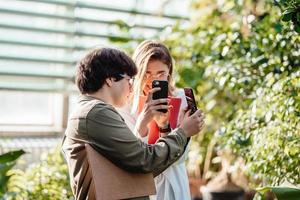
[(109, 82)]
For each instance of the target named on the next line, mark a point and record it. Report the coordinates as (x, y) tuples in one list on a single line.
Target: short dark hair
[(100, 64)]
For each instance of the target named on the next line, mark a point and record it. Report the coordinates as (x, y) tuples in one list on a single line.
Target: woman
[(154, 62)]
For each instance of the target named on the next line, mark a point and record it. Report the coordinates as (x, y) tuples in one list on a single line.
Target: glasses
[(119, 77), (159, 76)]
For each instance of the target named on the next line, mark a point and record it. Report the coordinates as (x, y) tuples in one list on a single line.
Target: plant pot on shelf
[(222, 188)]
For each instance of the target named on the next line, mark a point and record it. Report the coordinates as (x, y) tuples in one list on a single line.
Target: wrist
[(165, 129), (143, 132), (164, 124), (142, 127)]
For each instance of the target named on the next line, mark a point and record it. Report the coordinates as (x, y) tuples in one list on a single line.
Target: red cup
[(174, 112), (153, 134)]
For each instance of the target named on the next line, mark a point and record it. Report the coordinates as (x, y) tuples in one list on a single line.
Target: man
[(104, 77)]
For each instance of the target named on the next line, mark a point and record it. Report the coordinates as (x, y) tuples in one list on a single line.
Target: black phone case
[(190, 98), (162, 93)]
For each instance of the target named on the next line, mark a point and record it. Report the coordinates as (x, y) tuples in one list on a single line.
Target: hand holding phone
[(162, 93), (190, 98)]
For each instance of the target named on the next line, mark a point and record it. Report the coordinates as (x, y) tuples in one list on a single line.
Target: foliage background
[(47, 180), (242, 58)]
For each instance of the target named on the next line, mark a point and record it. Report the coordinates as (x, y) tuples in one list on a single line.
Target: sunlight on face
[(121, 91), (156, 70)]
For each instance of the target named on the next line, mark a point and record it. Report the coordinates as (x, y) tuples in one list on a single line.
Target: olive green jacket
[(100, 125)]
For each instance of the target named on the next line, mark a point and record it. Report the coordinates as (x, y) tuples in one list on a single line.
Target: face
[(156, 70), (121, 90)]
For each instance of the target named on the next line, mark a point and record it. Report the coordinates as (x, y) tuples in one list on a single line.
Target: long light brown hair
[(147, 51)]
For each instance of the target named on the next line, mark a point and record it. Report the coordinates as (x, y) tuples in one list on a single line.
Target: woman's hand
[(162, 119), (150, 112)]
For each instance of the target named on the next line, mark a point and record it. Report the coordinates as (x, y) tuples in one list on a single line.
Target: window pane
[(26, 108)]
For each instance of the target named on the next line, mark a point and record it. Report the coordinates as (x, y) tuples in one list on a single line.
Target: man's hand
[(193, 124)]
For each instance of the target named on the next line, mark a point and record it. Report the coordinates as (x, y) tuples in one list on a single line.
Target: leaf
[(278, 27), (119, 39), (7, 161), (11, 156), (3, 181), (5, 167), (282, 192), (121, 23), (297, 29), (287, 16)]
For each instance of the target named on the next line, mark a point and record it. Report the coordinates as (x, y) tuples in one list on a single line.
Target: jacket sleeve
[(110, 136)]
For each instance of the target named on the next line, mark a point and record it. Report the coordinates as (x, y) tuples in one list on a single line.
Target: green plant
[(290, 12), (266, 134), (234, 51), (45, 180), (282, 192), (7, 162)]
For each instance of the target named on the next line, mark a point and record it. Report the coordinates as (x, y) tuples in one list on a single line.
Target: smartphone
[(190, 98), (162, 93)]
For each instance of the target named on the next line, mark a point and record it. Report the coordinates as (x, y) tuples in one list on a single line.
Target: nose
[(150, 79), (130, 88)]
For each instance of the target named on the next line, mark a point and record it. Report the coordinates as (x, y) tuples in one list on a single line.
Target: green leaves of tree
[(248, 65), (290, 12)]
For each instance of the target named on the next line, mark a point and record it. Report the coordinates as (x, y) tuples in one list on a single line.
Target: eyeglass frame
[(158, 76), (119, 77)]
